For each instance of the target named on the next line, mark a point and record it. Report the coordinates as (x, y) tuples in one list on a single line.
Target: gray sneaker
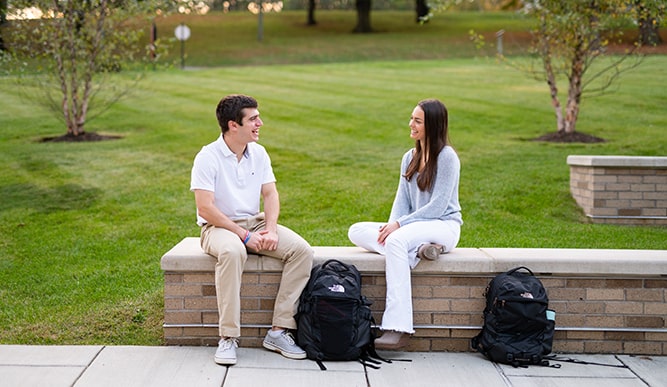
[(226, 352), (285, 345)]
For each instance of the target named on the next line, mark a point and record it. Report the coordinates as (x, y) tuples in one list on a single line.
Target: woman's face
[(417, 128)]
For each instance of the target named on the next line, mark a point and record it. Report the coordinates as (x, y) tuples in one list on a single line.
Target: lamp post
[(499, 41), (182, 33), (260, 23)]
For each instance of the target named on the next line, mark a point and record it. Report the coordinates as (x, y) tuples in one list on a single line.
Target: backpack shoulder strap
[(577, 361), (510, 272)]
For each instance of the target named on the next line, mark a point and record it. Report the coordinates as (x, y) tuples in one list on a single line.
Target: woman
[(425, 218)]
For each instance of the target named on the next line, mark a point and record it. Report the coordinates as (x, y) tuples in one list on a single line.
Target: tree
[(312, 4), (3, 11), (649, 16), (569, 38), (423, 10), (3, 21), (363, 8), (363, 16), (80, 43)]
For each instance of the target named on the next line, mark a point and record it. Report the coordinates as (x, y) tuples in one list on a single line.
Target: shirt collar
[(228, 152)]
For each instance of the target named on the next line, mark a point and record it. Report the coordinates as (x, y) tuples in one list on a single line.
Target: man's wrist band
[(247, 237)]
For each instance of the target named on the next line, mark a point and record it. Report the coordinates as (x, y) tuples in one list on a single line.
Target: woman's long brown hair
[(435, 138)]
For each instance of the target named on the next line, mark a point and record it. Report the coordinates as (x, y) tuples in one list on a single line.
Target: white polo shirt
[(236, 185)]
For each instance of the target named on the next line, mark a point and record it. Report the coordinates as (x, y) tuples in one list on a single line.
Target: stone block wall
[(606, 301), (620, 189)]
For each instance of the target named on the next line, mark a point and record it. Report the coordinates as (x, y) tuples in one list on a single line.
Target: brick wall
[(621, 190), (624, 314)]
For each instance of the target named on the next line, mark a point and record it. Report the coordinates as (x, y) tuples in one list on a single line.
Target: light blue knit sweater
[(412, 205)]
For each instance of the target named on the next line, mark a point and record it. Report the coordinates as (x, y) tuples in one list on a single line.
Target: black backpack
[(518, 326), (334, 320)]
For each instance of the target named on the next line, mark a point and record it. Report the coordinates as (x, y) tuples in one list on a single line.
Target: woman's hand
[(386, 230)]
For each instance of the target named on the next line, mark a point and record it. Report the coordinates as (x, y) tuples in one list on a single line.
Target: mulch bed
[(83, 137), (569, 137)]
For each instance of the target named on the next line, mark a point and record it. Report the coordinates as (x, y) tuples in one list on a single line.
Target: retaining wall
[(606, 301), (620, 189)]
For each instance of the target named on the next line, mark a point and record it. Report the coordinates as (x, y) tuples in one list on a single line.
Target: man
[(228, 178)]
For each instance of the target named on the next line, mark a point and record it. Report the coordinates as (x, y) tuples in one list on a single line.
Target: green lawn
[(232, 39), (83, 226)]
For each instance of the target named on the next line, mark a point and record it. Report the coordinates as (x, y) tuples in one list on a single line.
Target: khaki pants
[(295, 253)]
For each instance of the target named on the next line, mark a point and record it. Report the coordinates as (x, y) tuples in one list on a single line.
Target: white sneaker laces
[(228, 343)]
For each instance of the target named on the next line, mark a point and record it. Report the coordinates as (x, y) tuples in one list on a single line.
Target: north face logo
[(527, 295), (337, 288)]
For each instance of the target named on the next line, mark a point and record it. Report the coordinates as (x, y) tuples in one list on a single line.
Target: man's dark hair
[(231, 108)]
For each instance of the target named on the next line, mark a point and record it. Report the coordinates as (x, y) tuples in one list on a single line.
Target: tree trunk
[(649, 25), (363, 16), (571, 114), (3, 11), (649, 32), (422, 9), (550, 75), (75, 77), (3, 20), (553, 90), (311, 12), (575, 89)]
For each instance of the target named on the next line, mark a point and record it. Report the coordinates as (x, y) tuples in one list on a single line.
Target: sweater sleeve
[(441, 202), (402, 203)]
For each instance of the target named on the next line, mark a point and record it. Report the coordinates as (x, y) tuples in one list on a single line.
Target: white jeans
[(400, 251)]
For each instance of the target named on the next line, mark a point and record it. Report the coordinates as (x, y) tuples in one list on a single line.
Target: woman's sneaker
[(284, 344), (430, 251), (226, 352)]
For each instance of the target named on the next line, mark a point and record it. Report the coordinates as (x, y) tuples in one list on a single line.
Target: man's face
[(250, 125)]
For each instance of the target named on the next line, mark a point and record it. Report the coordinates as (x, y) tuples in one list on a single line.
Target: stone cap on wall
[(187, 256), (618, 161)]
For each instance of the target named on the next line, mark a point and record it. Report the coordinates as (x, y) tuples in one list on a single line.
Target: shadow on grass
[(46, 200)]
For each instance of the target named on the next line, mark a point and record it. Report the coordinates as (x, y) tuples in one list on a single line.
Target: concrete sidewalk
[(128, 366)]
